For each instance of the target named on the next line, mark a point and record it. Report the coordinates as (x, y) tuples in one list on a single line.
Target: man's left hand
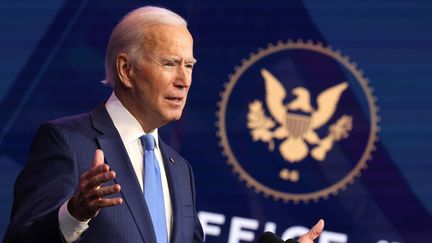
[(313, 233)]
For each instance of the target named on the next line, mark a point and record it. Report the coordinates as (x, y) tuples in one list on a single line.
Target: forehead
[(169, 40)]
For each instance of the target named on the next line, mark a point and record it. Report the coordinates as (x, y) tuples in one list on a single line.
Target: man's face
[(162, 77)]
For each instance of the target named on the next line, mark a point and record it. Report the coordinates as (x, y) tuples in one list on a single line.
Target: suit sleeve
[(46, 182)]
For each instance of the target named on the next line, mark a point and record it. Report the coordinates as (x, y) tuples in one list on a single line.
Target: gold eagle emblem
[(297, 121)]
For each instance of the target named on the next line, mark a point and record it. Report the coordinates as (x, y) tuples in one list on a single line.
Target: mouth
[(175, 100)]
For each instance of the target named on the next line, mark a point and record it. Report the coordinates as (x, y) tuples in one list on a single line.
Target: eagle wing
[(275, 94), (327, 102)]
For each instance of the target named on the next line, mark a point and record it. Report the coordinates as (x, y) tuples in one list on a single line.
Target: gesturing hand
[(313, 233), (89, 195)]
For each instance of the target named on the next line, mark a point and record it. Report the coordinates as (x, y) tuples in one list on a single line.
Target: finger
[(88, 175), (94, 207), (107, 202), (104, 191), (99, 179), (98, 158), (316, 230)]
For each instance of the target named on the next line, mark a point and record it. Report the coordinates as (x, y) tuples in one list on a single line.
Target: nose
[(183, 77)]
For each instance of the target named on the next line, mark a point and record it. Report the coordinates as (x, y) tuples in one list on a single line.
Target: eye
[(169, 64), (189, 66)]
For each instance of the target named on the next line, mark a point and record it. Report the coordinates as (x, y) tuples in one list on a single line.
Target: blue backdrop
[(372, 185)]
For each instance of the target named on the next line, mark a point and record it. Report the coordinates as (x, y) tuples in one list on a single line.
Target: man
[(106, 176)]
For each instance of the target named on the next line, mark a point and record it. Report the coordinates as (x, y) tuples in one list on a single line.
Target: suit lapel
[(169, 158), (118, 160)]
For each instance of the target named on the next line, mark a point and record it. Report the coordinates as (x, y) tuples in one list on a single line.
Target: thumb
[(316, 230), (313, 233), (98, 158)]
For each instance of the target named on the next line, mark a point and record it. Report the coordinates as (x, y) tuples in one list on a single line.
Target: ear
[(124, 69)]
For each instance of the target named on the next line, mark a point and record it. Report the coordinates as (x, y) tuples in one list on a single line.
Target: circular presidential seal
[(297, 121)]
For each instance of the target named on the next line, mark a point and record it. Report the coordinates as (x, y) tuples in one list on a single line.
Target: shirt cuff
[(71, 228)]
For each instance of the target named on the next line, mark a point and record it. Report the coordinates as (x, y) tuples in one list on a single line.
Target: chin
[(176, 118), (173, 117)]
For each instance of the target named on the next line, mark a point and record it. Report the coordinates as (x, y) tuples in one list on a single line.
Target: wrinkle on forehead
[(169, 40)]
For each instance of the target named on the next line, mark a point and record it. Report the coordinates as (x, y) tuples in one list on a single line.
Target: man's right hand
[(90, 195)]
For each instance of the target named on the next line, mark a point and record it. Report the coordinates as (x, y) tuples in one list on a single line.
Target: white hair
[(128, 35)]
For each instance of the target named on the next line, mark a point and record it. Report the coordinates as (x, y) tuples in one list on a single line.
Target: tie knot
[(148, 142)]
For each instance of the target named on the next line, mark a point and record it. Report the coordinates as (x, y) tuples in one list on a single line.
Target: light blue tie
[(153, 193)]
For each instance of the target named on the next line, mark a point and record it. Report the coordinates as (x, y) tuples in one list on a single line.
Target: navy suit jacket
[(64, 149)]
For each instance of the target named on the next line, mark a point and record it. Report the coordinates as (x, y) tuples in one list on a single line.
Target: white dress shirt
[(130, 132)]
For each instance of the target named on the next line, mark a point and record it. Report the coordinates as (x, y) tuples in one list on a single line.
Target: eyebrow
[(178, 59), (193, 60)]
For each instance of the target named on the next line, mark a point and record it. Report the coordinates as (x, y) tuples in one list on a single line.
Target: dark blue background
[(52, 55)]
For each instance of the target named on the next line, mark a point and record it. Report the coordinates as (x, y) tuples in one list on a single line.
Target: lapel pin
[(171, 160)]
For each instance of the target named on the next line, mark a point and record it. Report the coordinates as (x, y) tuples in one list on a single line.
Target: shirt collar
[(126, 124)]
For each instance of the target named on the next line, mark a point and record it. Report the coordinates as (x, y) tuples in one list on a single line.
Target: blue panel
[(368, 177)]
